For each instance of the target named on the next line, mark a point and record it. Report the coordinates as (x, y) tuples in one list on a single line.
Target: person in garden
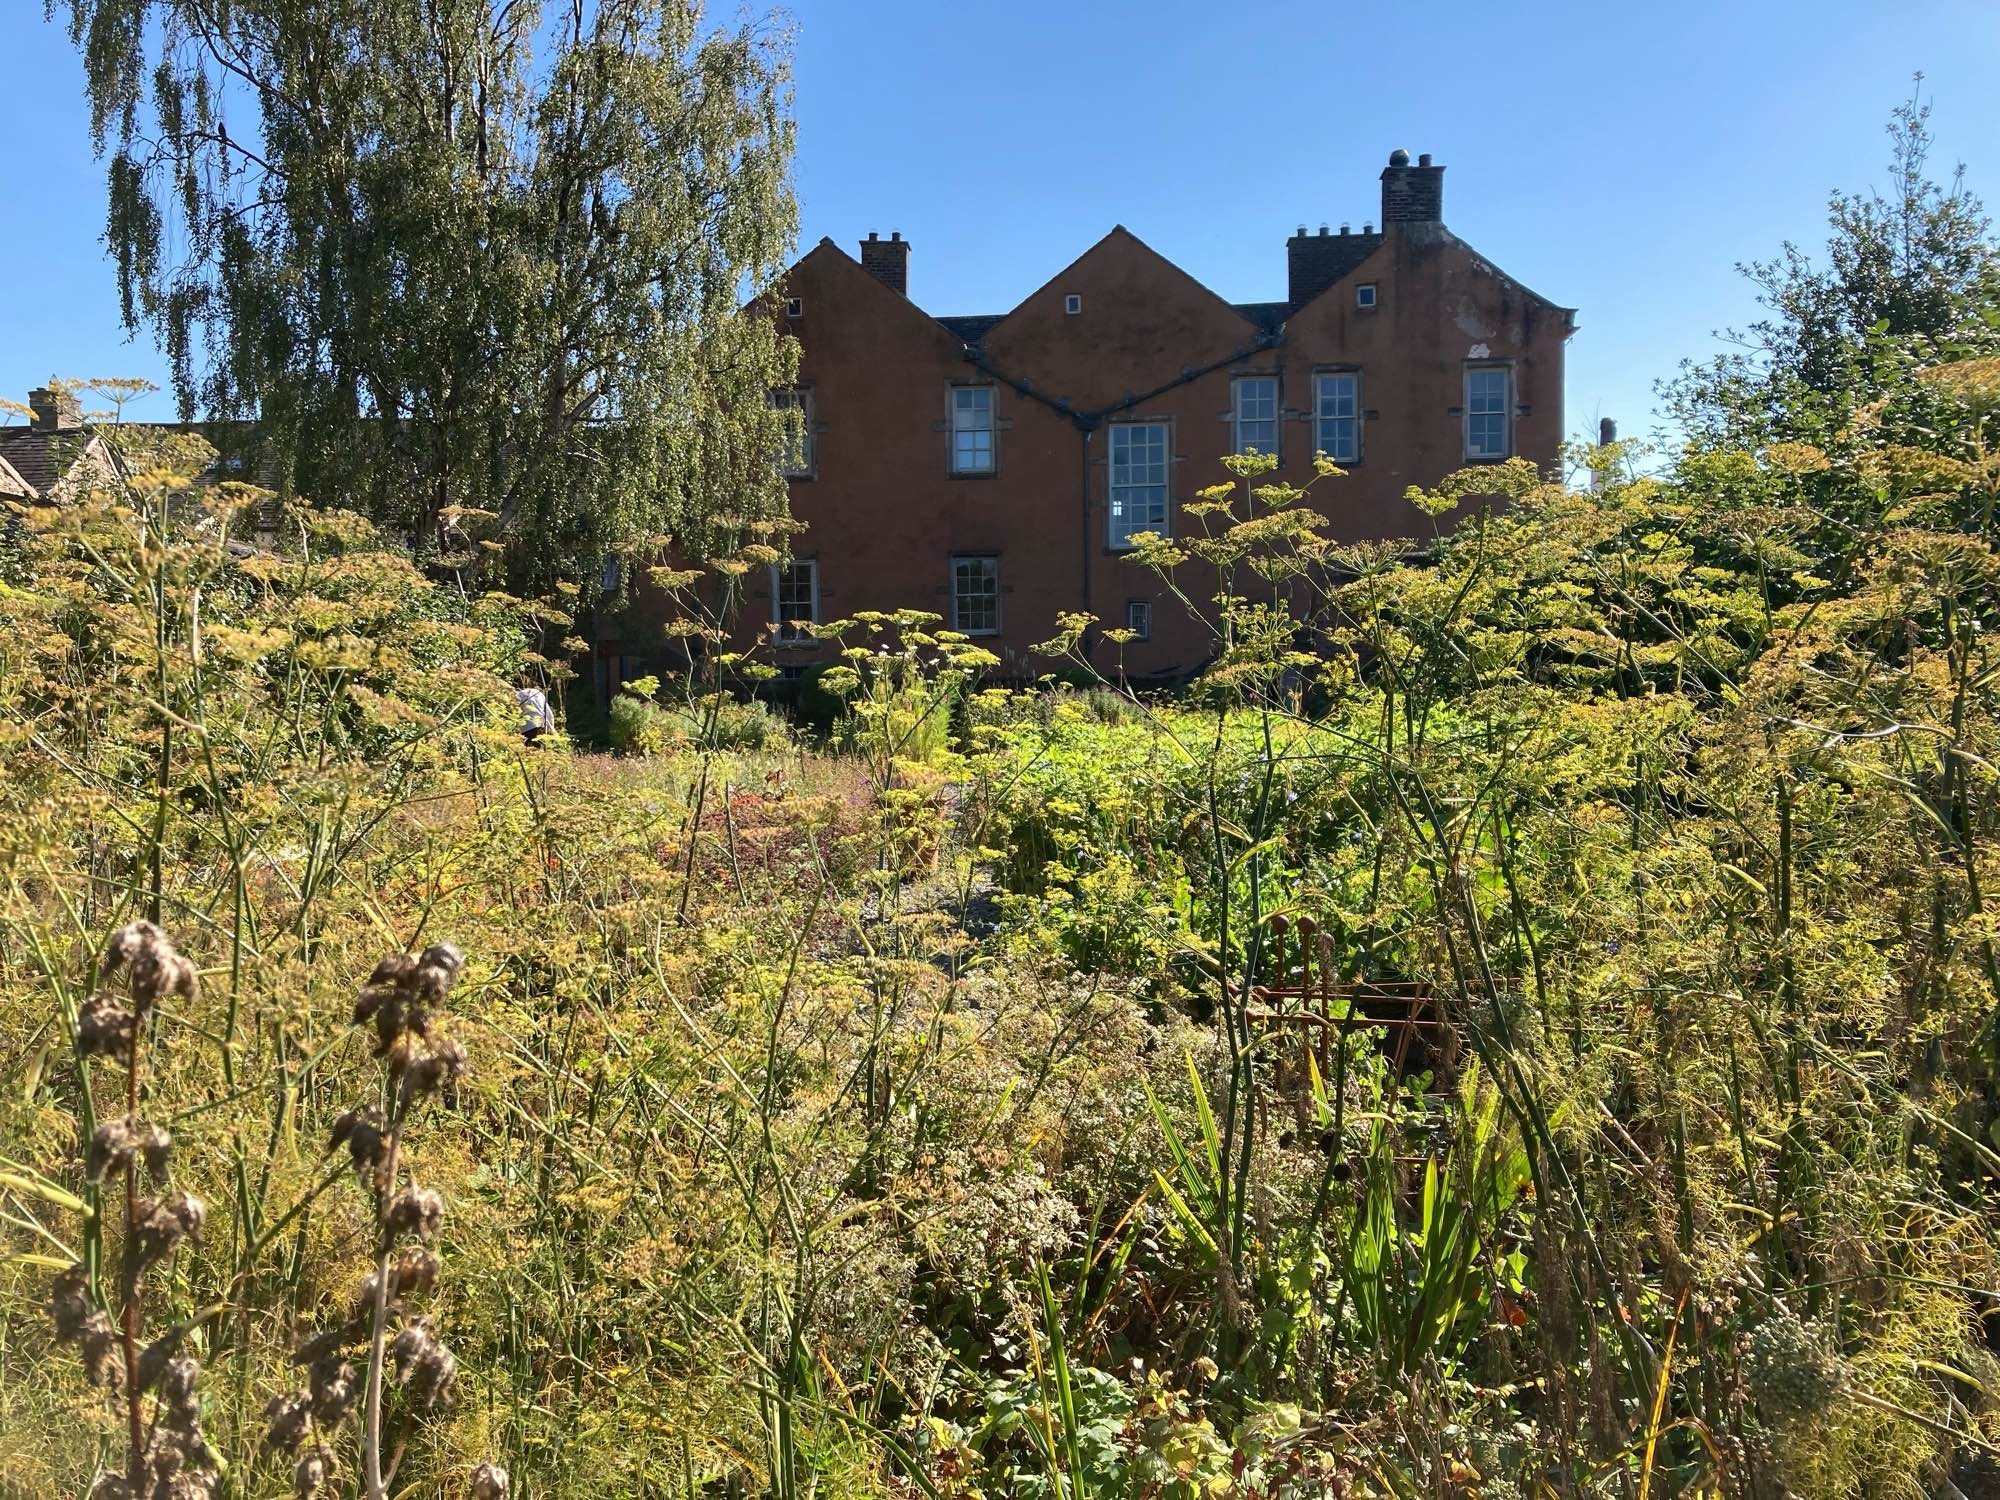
[(537, 717)]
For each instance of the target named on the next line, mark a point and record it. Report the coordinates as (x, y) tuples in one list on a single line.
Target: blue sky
[(1618, 158)]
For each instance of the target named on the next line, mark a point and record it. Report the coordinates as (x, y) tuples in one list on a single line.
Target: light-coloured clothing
[(536, 715)]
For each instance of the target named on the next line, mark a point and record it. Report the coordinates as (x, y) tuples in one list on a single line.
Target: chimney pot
[(1302, 231), (1344, 229), (1412, 195), (1607, 432), (1368, 228), (895, 234), (1322, 229)]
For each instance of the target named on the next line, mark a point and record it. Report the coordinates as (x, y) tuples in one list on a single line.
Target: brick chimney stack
[(1412, 195), (54, 411), (888, 261)]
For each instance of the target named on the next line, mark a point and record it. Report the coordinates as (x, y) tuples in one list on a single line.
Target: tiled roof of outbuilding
[(40, 458)]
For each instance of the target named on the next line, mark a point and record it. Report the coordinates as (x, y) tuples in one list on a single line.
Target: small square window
[(1139, 618), (1364, 295), (795, 307), (1072, 304)]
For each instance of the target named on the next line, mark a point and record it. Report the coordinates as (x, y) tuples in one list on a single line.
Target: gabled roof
[(1120, 232)]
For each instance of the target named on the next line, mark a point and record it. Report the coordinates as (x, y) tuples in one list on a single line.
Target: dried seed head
[(163, 1224), (489, 1482), (321, 1345), (417, 1211), (155, 968), (308, 1475), (111, 1487), (403, 1053), (442, 1063), (413, 1272), (100, 1351), (287, 1416), (177, 1381), (104, 1027), (156, 1145), (361, 1131), (69, 1303), (437, 967), (335, 1387), (424, 1367), (110, 1150), (393, 972)]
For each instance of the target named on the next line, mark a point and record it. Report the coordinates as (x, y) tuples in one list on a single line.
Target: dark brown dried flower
[(417, 1211), (287, 1416), (177, 1381), (414, 1271), (425, 1368), (156, 969), (443, 1063), (162, 1224), (336, 1384), (110, 1487), (103, 1026), (308, 1475), (321, 1345), (110, 1150), (489, 1482), (156, 1145), (100, 1351), (69, 1303), (362, 1133)]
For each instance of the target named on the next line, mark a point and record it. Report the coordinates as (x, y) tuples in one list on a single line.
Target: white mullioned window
[(794, 455), (1489, 411), (1138, 480), (975, 594), (794, 600), (972, 450), (1256, 410), (1337, 415)]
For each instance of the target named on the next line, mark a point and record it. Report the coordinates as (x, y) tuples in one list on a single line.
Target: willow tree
[(462, 255)]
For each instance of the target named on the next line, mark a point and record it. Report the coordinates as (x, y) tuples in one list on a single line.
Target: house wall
[(884, 515)]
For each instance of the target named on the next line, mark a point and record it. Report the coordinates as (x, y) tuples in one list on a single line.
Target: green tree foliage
[(1907, 264), (457, 255)]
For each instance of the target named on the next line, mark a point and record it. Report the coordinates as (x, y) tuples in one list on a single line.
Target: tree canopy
[(1909, 275), (461, 255)]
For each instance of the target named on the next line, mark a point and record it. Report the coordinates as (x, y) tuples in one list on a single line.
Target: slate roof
[(972, 329), (1268, 316), (43, 460), (12, 485), (40, 458)]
